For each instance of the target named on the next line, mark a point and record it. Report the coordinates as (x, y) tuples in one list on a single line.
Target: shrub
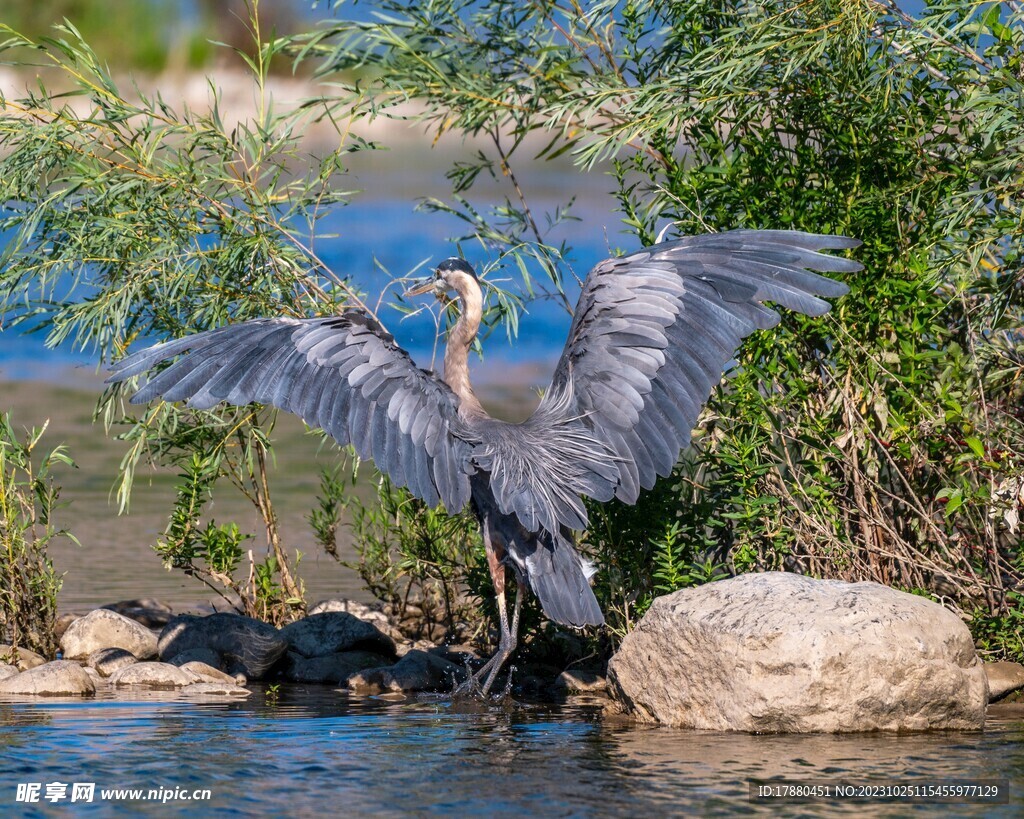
[(28, 582), (871, 445)]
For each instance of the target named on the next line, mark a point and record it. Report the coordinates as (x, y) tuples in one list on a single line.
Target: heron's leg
[(520, 591), (509, 636), (496, 565)]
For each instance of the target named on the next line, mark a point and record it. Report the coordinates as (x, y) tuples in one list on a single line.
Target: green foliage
[(28, 582), (213, 553), (426, 565), (1001, 636), (326, 516), (126, 221), (878, 443)]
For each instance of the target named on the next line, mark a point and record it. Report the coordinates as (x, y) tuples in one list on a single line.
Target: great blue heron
[(650, 338)]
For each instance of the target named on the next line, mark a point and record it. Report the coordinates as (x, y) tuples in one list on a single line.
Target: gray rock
[(367, 613), (457, 653), (578, 681), (333, 668), (7, 671), (330, 632), (152, 675), (108, 660), (103, 628), (781, 652), (217, 689), (63, 621), (1003, 678), (147, 611), (61, 678), (97, 679), (22, 658), (243, 644), (207, 656), (207, 673), (416, 671)]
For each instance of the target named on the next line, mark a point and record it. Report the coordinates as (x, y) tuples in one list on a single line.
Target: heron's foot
[(480, 683)]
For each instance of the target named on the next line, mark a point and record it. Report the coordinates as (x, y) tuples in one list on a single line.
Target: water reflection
[(313, 748)]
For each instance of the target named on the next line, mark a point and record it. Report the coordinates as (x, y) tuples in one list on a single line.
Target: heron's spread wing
[(344, 374), (650, 339)]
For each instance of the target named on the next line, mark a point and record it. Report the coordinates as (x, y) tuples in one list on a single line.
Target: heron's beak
[(421, 287)]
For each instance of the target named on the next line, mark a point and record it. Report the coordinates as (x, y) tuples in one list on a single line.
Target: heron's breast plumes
[(540, 469)]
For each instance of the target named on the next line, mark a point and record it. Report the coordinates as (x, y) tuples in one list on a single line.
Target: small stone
[(1003, 678), (331, 632), (97, 679), (369, 681), (367, 613), (578, 681), (207, 656), (405, 646), (333, 668), (63, 622), (61, 678), (7, 671), (146, 611), (458, 653), (207, 673), (219, 689), (243, 644), (103, 628), (416, 671), (108, 660), (152, 675), (20, 657)]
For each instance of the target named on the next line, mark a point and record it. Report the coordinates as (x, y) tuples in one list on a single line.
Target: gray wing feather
[(651, 336), (344, 374)]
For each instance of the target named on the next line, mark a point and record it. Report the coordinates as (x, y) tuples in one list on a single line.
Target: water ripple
[(314, 749)]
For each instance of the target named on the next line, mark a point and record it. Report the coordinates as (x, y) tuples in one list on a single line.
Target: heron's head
[(451, 274)]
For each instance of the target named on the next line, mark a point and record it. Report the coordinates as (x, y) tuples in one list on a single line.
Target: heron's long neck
[(456, 354)]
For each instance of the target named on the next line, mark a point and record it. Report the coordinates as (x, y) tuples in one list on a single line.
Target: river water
[(315, 751)]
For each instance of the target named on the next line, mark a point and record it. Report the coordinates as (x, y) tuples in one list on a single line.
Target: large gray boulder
[(330, 632), (782, 652), (61, 678), (240, 643), (103, 628), (207, 656)]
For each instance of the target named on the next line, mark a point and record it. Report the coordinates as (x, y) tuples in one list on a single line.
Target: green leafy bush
[(427, 566), (28, 582), (869, 445)]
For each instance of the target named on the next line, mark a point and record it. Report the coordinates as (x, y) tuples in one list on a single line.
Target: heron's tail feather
[(559, 577)]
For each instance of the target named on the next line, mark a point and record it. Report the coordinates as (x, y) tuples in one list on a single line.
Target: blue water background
[(378, 238)]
